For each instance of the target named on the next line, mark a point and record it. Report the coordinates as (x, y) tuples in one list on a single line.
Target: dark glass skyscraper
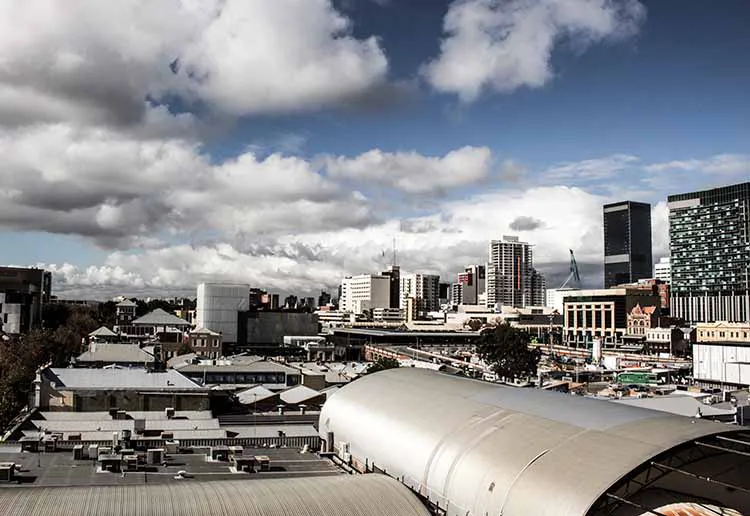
[(627, 242), (709, 239)]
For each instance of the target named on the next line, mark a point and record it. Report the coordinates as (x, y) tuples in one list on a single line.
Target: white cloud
[(721, 164), (414, 173), (259, 56), (97, 62), (115, 188), (503, 45), (306, 262), (590, 169)]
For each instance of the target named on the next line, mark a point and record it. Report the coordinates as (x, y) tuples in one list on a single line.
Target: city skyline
[(127, 175)]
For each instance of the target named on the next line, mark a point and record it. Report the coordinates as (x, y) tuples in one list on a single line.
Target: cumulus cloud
[(503, 45), (106, 62), (115, 188), (441, 243), (414, 173)]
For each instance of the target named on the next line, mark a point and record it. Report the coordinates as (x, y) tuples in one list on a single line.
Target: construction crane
[(574, 276)]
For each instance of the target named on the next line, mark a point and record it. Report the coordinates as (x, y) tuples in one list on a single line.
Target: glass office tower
[(709, 239), (627, 243)]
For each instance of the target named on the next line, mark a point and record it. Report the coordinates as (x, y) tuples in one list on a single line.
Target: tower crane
[(573, 276)]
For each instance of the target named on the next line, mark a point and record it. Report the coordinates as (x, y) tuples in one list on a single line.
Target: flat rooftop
[(59, 469)]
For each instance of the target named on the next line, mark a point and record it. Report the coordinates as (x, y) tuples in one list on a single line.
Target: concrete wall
[(271, 327)]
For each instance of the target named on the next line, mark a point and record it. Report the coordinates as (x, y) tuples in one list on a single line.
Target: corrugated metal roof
[(110, 425), (681, 405), (272, 430), (363, 495), (159, 317), (254, 394), (102, 331), (156, 415), (299, 394), (120, 379), (115, 353), (490, 449)]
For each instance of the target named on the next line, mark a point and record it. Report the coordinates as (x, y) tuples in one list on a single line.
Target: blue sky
[(289, 156)]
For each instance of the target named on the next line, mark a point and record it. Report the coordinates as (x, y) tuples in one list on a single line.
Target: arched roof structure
[(362, 495), (477, 448)]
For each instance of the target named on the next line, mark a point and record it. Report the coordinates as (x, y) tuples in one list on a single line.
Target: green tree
[(55, 315), (382, 364), (184, 349), (506, 350)]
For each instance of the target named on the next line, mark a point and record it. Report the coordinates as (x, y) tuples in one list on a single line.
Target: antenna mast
[(394, 251)]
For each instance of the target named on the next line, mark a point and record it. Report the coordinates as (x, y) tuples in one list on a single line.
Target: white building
[(555, 297), (663, 270), (217, 306), (719, 363), (365, 292), (393, 315), (424, 289), (510, 273)]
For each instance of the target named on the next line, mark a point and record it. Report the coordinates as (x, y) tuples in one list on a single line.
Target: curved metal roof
[(364, 495), (480, 448)]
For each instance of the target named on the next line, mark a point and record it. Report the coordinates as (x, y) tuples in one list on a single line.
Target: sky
[(146, 147)]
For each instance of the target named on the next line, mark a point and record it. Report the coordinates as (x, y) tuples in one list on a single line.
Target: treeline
[(57, 342)]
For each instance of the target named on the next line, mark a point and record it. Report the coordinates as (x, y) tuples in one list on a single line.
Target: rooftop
[(70, 378), (115, 353), (159, 317), (126, 302), (102, 331), (259, 366), (59, 469)]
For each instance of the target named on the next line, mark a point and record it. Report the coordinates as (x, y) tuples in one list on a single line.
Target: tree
[(184, 349), (506, 350), (382, 364)]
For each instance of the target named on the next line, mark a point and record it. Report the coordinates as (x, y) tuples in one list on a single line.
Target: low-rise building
[(641, 320), (674, 341), (393, 315), (243, 371), (156, 324), (722, 331), (602, 314), (87, 390), (101, 354)]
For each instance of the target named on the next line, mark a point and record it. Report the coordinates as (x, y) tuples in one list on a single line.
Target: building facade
[(538, 289), (470, 284), (602, 314), (709, 239), (663, 270), (394, 274), (365, 292), (509, 273), (23, 293), (424, 289), (217, 308), (627, 242)]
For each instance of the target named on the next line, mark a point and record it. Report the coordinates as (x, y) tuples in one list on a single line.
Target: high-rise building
[(709, 241), (509, 273), (365, 292), (663, 270), (424, 289), (23, 293), (394, 274), (472, 284), (444, 294), (627, 243), (538, 289)]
